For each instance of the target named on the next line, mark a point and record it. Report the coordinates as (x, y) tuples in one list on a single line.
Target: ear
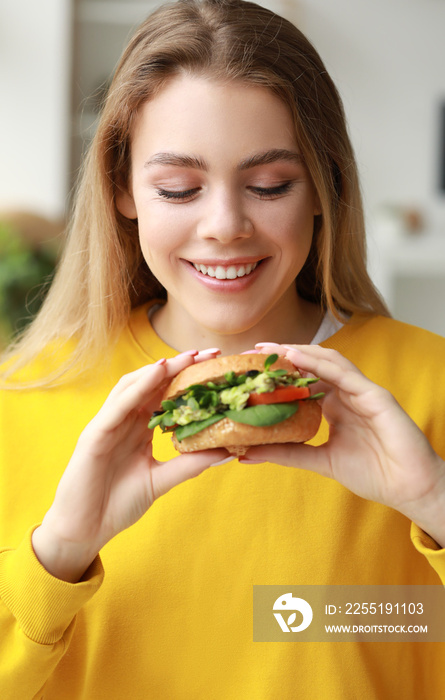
[(125, 203)]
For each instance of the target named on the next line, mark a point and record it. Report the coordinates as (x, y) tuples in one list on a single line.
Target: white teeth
[(225, 273)]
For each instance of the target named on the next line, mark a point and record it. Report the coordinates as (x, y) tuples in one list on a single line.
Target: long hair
[(102, 274)]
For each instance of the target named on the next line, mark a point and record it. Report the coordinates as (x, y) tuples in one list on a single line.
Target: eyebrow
[(185, 161), (272, 156), (182, 161)]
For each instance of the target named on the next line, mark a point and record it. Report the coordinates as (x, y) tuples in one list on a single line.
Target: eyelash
[(261, 192), (271, 192), (169, 194)]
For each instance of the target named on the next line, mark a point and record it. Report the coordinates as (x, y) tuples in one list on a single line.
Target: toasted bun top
[(214, 371)]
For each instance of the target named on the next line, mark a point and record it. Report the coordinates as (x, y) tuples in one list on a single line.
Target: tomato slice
[(281, 394)]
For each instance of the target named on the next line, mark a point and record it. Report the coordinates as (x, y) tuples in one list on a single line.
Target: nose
[(224, 217)]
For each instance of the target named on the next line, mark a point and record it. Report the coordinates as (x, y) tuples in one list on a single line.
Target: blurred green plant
[(25, 273)]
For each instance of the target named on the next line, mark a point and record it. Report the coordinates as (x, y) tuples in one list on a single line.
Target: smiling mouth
[(232, 272)]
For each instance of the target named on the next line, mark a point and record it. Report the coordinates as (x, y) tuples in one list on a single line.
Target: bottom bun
[(236, 438)]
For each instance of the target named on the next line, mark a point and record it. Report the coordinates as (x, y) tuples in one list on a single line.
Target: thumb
[(291, 454), (166, 475)]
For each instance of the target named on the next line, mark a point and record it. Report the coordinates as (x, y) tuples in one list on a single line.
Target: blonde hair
[(102, 274)]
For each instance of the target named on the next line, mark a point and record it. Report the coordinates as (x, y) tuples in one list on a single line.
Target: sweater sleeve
[(430, 549), (37, 618)]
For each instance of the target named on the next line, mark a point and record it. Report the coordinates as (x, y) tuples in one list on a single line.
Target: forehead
[(194, 113)]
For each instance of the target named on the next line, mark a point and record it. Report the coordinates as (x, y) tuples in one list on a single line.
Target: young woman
[(219, 210)]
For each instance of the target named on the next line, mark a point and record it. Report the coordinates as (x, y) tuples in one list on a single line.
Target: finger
[(166, 475), (297, 455), (282, 350), (310, 350), (331, 367), (314, 351), (197, 357), (127, 380), (201, 356), (179, 362), (207, 354), (140, 389), (185, 359), (129, 394), (268, 348)]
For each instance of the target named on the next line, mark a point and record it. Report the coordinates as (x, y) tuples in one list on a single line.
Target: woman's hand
[(112, 478), (374, 448)]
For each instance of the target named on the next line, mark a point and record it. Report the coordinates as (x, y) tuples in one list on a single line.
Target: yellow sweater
[(171, 618)]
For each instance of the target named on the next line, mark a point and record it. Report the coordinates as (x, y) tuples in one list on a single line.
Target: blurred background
[(386, 57)]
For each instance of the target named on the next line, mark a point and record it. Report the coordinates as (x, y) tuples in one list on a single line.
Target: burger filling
[(254, 398)]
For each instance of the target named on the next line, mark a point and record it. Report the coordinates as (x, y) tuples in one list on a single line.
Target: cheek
[(293, 230), (160, 219), (155, 250), (161, 239), (158, 232), (293, 237), (152, 242)]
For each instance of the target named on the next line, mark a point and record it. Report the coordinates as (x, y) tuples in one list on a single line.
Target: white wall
[(35, 48), (388, 59)]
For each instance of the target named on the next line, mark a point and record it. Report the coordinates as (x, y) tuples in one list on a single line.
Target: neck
[(293, 324)]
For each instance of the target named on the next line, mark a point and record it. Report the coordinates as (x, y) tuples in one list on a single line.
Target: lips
[(230, 272)]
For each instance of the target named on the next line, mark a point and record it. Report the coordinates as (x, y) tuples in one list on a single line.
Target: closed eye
[(178, 195), (271, 192), (261, 192)]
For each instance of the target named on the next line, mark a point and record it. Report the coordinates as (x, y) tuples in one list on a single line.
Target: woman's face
[(224, 203)]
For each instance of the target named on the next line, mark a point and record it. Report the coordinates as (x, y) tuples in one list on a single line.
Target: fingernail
[(250, 352), (209, 351), (260, 345), (222, 461), (162, 361), (189, 353), (245, 460)]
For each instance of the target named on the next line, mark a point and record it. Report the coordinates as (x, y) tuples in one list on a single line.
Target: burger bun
[(236, 438)]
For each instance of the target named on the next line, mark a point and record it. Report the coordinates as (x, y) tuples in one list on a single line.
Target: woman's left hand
[(374, 448)]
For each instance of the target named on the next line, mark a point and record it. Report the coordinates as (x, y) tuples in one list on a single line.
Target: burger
[(238, 401)]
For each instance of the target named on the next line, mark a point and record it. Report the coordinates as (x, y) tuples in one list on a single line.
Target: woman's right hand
[(112, 478)]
